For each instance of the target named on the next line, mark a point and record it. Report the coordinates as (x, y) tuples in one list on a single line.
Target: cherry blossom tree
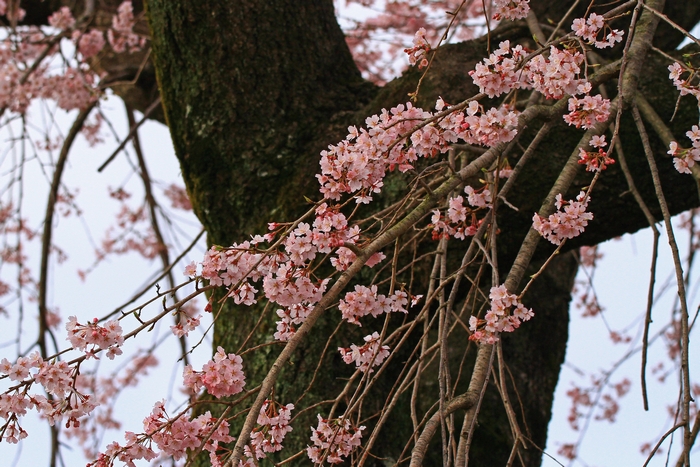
[(385, 262)]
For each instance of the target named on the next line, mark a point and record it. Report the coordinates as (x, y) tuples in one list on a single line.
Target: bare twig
[(155, 225), (132, 131), (48, 223), (654, 256), (678, 267)]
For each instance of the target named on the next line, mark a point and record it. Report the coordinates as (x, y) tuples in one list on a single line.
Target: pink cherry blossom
[(498, 74), (555, 75), (676, 71), (595, 160), (365, 301), (92, 334), (589, 29), (585, 112), (90, 43), (273, 426), (173, 436), (565, 224), (291, 318), (684, 159), (62, 19), (505, 315), (333, 440), (223, 376), (366, 356), (510, 9), (417, 53), (121, 35), (460, 221), (480, 198)]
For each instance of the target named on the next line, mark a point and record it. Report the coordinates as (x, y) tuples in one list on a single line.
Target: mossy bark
[(253, 90)]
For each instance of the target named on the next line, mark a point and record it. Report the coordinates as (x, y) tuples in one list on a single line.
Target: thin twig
[(155, 225), (48, 223), (654, 256), (132, 131), (678, 267), (673, 25)]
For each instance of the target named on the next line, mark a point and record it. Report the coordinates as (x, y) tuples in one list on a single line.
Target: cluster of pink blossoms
[(366, 356), (333, 440), (568, 223), (108, 337), (89, 43), (360, 162), (683, 85), (273, 421), (505, 315), (417, 53), (496, 125), (74, 88), (105, 391), (684, 159), (285, 275), (290, 318), (56, 378), (12, 13), (557, 75), (499, 74), (187, 320), (588, 29), (595, 160), (223, 376), (345, 257), (586, 111), (172, 436), (366, 301), (585, 398), (554, 76), (32, 48), (121, 35), (455, 222), (511, 9), (62, 19)]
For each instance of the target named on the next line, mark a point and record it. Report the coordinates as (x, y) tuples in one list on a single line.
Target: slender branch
[(674, 25), (155, 225), (535, 29), (654, 256), (162, 274), (660, 442), (693, 437), (468, 400), (132, 131), (678, 267), (48, 222), (46, 248)]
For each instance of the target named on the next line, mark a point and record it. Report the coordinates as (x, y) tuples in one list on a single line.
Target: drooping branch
[(48, 224), (46, 244)]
